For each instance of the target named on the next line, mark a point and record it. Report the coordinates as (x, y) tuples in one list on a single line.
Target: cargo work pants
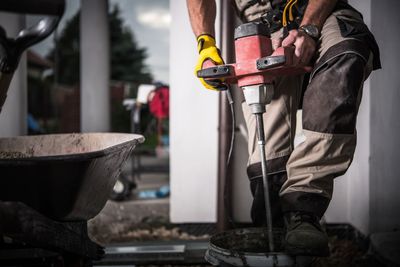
[(303, 175)]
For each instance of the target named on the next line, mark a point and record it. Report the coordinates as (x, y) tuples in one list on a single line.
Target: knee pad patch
[(332, 98)]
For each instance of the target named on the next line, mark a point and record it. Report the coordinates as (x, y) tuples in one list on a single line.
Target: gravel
[(14, 155), (138, 232), (346, 253)]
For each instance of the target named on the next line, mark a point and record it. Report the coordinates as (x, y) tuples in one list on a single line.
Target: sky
[(148, 20)]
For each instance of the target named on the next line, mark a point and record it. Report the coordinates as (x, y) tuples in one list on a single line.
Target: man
[(330, 36)]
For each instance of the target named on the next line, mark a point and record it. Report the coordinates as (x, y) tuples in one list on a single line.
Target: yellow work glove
[(208, 51)]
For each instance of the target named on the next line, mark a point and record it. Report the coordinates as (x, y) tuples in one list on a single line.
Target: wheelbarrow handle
[(36, 33), (11, 49)]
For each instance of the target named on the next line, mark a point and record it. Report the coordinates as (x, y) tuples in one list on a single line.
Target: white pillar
[(95, 66), (193, 128), (351, 197), (385, 123), (13, 117)]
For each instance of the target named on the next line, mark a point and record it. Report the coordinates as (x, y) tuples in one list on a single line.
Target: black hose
[(232, 108)]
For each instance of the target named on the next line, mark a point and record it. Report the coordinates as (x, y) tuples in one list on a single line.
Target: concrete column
[(385, 122), (351, 198), (95, 66), (193, 128), (13, 118)]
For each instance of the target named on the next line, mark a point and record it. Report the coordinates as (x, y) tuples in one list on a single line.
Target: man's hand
[(202, 17), (305, 47), (316, 13), (208, 51)]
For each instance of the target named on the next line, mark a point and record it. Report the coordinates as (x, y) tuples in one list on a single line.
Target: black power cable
[(232, 108)]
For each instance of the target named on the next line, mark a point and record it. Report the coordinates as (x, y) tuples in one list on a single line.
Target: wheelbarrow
[(66, 177)]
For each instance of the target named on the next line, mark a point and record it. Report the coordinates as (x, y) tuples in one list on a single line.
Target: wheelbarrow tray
[(66, 177)]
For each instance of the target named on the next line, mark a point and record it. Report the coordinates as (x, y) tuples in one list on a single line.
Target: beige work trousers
[(330, 107)]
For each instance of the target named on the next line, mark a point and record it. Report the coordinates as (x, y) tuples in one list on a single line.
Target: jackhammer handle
[(40, 7), (280, 63), (213, 74)]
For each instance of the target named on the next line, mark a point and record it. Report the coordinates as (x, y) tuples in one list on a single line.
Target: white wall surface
[(241, 186), (95, 66), (194, 129), (13, 118), (385, 120), (351, 200)]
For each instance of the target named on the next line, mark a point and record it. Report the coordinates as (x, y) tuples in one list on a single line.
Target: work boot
[(304, 235), (258, 213)]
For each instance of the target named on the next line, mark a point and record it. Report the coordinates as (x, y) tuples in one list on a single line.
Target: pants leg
[(279, 127), (330, 108)]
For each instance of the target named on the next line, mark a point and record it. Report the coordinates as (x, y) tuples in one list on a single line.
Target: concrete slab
[(387, 246)]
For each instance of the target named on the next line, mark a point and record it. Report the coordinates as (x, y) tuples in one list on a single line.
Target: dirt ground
[(135, 221), (346, 253), (343, 252)]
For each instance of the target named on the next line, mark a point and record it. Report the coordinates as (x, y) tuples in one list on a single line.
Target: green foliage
[(67, 54), (120, 118), (127, 59)]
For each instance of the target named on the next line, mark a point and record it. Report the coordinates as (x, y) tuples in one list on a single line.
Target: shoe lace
[(301, 217)]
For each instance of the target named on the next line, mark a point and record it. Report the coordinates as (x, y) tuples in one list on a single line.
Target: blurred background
[(105, 68), (127, 66)]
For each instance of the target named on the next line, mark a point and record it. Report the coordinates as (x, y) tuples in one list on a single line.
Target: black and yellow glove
[(208, 51)]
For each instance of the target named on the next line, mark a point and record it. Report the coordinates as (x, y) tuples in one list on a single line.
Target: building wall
[(368, 194), (13, 118), (241, 187), (193, 129), (351, 200), (95, 66), (385, 126)]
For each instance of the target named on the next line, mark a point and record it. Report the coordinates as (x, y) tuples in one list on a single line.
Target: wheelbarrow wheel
[(121, 190)]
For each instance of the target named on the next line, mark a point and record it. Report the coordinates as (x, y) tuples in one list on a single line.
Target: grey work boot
[(304, 235)]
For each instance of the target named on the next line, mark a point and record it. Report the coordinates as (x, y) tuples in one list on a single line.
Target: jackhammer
[(256, 67)]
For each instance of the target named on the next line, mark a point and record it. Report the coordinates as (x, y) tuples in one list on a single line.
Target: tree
[(66, 55), (127, 62), (127, 59)]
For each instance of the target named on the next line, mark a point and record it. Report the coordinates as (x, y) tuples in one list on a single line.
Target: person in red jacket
[(159, 108)]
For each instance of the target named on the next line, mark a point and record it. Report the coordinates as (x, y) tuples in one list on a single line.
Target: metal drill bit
[(261, 143)]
